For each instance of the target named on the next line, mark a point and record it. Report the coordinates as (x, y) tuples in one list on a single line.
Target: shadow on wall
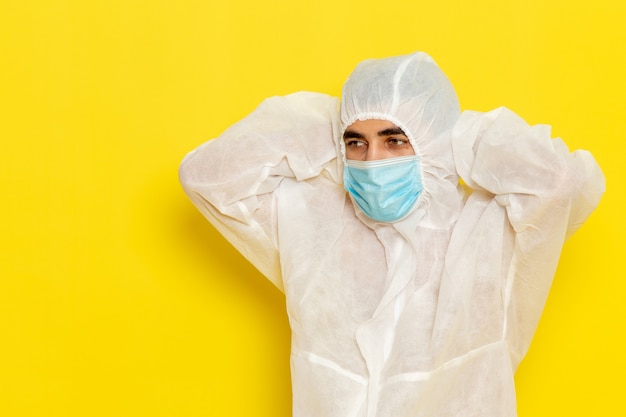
[(173, 238)]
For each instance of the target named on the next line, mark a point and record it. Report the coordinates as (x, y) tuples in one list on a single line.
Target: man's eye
[(398, 141), (354, 143)]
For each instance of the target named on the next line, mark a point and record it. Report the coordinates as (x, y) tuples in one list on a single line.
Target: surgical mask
[(386, 189)]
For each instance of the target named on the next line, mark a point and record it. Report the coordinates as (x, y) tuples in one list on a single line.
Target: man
[(411, 294)]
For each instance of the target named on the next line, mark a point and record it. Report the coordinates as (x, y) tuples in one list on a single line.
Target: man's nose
[(375, 152)]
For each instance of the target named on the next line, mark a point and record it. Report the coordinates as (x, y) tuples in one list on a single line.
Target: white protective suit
[(427, 316)]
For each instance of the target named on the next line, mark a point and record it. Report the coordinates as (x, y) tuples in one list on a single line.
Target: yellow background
[(118, 299)]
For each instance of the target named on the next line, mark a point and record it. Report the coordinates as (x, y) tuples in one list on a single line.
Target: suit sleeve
[(546, 192), (234, 180), (534, 176)]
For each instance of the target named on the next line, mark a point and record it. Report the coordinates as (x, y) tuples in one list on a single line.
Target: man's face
[(369, 140)]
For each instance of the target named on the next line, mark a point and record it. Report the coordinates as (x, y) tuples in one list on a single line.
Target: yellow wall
[(117, 299)]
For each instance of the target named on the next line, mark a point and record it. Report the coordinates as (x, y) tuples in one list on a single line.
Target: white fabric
[(428, 316)]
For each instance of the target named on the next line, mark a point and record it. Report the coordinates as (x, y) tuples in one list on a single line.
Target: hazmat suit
[(425, 316)]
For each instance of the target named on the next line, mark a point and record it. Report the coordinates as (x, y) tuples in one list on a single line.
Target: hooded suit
[(426, 316)]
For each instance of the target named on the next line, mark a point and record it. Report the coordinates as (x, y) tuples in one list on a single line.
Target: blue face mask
[(386, 189)]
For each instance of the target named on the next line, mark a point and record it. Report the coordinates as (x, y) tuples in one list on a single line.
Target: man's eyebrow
[(391, 131), (351, 134)]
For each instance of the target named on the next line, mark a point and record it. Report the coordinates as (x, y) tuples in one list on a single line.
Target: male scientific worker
[(408, 294)]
